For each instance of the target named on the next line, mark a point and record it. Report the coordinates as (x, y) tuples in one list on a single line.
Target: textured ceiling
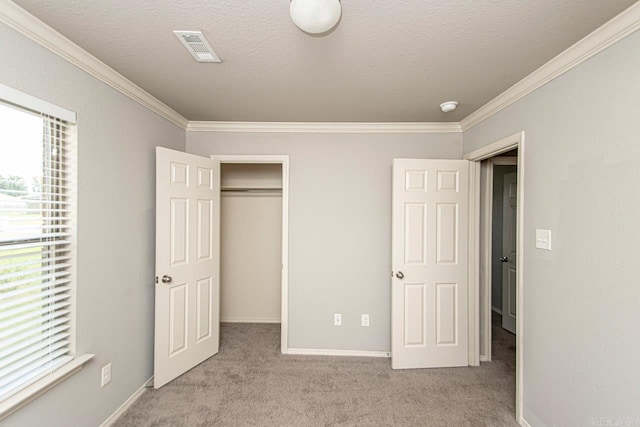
[(387, 61)]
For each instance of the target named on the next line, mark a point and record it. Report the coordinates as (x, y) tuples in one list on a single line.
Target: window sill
[(41, 386)]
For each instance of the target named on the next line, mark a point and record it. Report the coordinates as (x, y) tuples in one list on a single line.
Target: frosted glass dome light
[(315, 16)]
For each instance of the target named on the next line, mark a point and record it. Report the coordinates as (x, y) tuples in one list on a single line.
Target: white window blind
[(36, 212)]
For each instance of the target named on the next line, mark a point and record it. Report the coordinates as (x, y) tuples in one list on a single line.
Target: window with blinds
[(36, 229)]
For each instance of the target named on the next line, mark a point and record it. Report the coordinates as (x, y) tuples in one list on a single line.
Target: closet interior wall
[(250, 242)]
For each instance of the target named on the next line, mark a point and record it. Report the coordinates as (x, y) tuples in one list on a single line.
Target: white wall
[(582, 181), (340, 226), (115, 276), (250, 257)]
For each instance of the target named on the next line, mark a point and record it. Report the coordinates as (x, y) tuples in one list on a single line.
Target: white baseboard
[(524, 422), (247, 320), (496, 309), (127, 404), (484, 358), (329, 352)]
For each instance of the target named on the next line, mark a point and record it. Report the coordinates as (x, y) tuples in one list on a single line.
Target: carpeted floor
[(249, 383)]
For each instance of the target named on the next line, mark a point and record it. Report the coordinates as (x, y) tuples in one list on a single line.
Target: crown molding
[(324, 127), (609, 33), (614, 30), (28, 25)]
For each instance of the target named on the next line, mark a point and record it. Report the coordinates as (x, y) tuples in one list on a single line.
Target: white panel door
[(187, 262), (508, 259), (429, 260)]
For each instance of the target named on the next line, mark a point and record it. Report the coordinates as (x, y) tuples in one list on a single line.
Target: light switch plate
[(543, 239)]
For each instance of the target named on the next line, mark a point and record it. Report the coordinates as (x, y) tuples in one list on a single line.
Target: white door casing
[(430, 263), (284, 161), (509, 252), (515, 141), (187, 262)]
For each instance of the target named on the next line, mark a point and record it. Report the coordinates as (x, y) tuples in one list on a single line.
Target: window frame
[(24, 101)]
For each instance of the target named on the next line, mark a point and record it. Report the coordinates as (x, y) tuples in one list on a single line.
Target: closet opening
[(253, 242)]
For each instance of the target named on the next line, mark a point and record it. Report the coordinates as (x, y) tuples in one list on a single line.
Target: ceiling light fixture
[(448, 106), (315, 16)]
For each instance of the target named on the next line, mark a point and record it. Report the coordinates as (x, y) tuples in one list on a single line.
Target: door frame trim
[(493, 149), (473, 272), (284, 161)]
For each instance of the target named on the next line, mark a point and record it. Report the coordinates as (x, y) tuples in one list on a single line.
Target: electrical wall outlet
[(106, 374), (365, 320), (337, 319)]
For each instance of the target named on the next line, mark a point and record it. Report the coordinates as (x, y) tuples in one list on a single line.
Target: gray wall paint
[(116, 220), (581, 299), (582, 181), (340, 226), (496, 233)]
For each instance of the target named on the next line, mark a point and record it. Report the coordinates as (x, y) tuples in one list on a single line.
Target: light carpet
[(250, 383)]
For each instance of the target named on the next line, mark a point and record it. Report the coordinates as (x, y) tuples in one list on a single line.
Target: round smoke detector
[(448, 106)]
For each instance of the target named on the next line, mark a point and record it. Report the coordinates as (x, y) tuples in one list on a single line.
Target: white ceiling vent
[(198, 46)]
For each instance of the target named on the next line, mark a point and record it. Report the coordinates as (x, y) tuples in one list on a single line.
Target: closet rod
[(252, 190)]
